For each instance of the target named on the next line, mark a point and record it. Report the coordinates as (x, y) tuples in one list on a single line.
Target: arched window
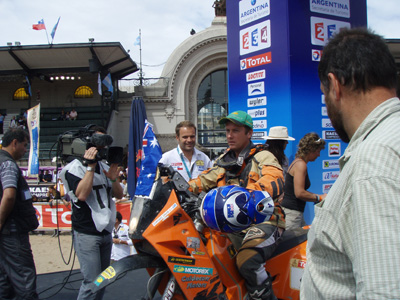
[(83, 92), (212, 105), (20, 94)]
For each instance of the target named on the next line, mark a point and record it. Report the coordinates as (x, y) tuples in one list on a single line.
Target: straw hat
[(279, 133)]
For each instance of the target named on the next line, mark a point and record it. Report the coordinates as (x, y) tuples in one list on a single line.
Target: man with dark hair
[(185, 158), (90, 184), (17, 218), (121, 241), (353, 243), (254, 168)]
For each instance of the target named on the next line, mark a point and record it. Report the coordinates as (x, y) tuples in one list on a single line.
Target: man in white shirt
[(122, 244), (185, 158)]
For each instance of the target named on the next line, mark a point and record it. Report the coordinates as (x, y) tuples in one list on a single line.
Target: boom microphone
[(101, 140)]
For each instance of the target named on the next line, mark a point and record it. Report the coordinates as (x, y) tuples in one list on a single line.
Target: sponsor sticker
[(323, 29), (257, 113), (316, 55), (296, 272), (255, 61), (257, 88), (193, 270), (326, 123), (330, 164), (255, 75), (339, 8), (326, 187), (255, 38), (181, 260), (251, 10), (330, 135), (260, 124), (108, 273), (165, 215), (328, 176), (334, 149), (324, 111), (259, 135), (259, 101), (323, 99)]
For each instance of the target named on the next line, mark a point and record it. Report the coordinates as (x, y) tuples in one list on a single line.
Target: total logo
[(316, 55), (257, 88), (255, 38), (257, 113), (323, 29), (255, 61)]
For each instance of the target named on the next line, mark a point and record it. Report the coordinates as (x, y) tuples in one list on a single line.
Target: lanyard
[(183, 160)]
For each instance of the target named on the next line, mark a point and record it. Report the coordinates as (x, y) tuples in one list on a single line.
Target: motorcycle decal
[(181, 260), (165, 215), (193, 242), (253, 233), (108, 273), (231, 251), (170, 291), (198, 253), (296, 272), (193, 270), (208, 294)]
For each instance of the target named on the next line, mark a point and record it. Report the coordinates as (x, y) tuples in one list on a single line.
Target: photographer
[(90, 185)]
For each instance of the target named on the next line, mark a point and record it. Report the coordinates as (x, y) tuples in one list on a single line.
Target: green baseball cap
[(238, 117)]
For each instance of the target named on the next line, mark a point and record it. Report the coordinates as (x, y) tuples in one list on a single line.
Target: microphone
[(101, 140)]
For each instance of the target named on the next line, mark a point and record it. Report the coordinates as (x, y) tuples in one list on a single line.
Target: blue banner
[(33, 122), (274, 47)]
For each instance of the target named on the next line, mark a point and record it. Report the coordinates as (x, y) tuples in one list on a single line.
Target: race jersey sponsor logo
[(255, 61), (251, 10), (339, 8)]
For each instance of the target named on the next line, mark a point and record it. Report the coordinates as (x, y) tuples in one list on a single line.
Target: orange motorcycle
[(187, 258)]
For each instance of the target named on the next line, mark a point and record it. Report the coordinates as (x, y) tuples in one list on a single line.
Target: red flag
[(39, 26)]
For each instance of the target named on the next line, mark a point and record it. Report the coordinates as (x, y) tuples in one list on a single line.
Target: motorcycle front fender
[(120, 267)]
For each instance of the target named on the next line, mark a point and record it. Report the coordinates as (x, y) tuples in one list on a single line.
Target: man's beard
[(337, 120)]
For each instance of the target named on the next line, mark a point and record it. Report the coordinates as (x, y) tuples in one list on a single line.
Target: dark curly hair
[(309, 143)]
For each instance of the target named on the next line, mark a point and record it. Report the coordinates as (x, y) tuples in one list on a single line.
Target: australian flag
[(151, 154)]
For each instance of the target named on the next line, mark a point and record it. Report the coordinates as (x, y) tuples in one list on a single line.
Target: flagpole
[(45, 28), (140, 53)]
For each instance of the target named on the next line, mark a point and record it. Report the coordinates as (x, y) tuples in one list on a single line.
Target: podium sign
[(274, 47)]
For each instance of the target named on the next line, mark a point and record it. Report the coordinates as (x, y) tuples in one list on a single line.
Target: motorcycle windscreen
[(145, 209)]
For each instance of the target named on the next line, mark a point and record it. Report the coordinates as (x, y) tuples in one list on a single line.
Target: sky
[(164, 24)]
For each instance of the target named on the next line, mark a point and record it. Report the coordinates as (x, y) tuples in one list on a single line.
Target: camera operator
[(90, 185)]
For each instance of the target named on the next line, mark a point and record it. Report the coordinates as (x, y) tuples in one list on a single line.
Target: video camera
[(73, 144)]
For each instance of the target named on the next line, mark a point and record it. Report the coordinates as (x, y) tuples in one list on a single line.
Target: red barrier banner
[(49, 216)]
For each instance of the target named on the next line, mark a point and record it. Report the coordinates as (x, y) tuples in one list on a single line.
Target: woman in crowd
[(297, 181), (276, 143)]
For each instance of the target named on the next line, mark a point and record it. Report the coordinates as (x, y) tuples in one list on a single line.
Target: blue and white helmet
[(233, 208)]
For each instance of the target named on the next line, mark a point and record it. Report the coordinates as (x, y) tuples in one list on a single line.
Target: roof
[(45, 60), (394, 47)]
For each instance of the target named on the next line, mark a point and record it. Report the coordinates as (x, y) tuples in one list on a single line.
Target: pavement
[(65, 285)]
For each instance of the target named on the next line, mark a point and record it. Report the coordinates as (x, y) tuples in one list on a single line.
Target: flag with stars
[(151, 154)]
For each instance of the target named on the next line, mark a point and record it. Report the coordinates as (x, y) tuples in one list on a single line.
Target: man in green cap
[(254, 168)]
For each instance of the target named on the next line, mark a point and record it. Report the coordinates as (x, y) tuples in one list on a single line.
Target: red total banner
[(49, 216)]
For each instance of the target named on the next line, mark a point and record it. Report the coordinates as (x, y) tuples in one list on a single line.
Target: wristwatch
[(89, 169)]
